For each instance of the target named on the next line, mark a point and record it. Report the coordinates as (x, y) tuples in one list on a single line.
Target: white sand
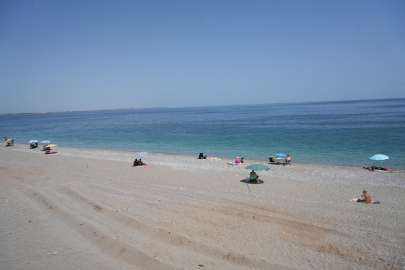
[(90, 209)]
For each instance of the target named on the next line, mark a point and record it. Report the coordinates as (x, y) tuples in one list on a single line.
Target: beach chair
[(281, 161), (275, 162)]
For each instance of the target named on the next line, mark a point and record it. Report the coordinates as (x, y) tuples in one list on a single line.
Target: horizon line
[(160, 107)]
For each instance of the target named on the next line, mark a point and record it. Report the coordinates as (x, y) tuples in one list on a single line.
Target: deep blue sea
[(341, 133)]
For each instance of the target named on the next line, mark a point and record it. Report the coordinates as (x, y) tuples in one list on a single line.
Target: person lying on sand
[(371, 169), (366, 197), (374, 168)]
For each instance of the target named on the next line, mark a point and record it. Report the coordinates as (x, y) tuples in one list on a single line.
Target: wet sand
[(90, 209)]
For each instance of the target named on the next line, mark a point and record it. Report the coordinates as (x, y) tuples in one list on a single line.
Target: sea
[(336, 133)]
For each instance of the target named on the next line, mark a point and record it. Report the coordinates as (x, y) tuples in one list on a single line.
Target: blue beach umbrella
[(46, 142), (281, 155), (33, 141), (141, 154), (379, 157)]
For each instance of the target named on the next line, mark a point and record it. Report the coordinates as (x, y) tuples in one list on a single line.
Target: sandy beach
[(90, 209)]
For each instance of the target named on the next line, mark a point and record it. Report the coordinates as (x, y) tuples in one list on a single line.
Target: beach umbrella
[(51, 145), (46, 142), (141, 154), (379, 157), (257, 167), (281, 155), (7, 140), (33, 141)]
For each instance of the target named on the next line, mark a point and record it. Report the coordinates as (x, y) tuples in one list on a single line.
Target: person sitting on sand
[(237, 160), (140, 163), (202, 156), (135, 163), (253, 173), (288, 160), (242, 160), (366, 197)]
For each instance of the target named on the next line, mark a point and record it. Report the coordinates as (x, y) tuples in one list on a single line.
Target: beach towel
[(355, 200)]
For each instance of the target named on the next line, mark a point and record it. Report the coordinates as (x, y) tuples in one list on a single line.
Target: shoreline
[(321, 173), (229, 159), (367, 162), (86, 208)]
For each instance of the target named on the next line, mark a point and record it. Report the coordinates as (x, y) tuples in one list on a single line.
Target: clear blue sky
[(83, 55)]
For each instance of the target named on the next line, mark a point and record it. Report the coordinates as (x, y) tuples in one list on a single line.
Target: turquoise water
[(341, 133)]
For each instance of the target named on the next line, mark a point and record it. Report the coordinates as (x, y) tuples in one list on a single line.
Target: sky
[(88, 55)]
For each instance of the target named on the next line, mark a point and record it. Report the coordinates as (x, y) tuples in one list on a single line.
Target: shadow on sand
[(253, 182)]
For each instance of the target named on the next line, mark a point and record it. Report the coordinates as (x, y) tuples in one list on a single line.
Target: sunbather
[(237, 160), (374, 168), (366, 197), (140, 163), (242, 160), (252, 173), (288, 160), (272, 159)]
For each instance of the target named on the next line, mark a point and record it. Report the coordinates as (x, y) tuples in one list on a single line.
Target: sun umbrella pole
[(248, 187)]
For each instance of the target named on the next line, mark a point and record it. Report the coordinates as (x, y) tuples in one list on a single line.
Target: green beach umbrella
[(257, 167)]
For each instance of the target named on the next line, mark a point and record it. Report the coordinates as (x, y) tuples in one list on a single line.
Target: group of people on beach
[(138, 163), (275, 161), (34, 145), (366, 198), (45, 148), (239, 160)]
